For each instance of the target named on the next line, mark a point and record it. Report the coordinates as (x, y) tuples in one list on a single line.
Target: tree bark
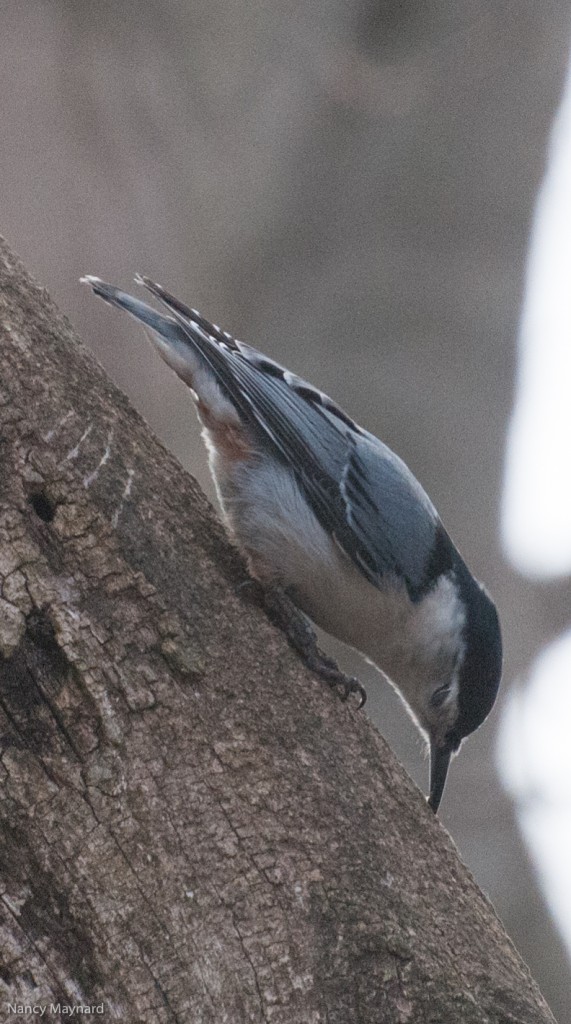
[(194, 828)]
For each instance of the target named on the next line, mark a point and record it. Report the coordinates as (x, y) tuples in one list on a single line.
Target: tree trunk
[(194, 827)]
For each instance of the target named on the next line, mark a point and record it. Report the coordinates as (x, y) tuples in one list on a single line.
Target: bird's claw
[(251, 590), (283, 613), (352, 685), (348, 685)]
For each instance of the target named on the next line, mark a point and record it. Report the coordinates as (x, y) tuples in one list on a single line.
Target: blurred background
[(374, 194)]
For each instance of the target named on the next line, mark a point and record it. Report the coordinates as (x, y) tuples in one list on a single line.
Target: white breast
[(273, 524)]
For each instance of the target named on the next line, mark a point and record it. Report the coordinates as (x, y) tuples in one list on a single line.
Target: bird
[(324, 510)]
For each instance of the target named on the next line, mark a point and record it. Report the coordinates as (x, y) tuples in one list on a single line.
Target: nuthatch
[(324, 509)]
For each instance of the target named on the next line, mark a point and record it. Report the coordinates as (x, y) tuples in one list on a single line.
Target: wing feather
[(359, 490)]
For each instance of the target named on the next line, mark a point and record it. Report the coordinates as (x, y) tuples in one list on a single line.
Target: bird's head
[(459, 704)]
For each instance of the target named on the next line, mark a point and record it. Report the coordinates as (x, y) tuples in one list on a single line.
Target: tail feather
[(192, 315), (187, 347), (165, 326)]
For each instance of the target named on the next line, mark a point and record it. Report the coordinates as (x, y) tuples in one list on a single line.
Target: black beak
[(439, 763)]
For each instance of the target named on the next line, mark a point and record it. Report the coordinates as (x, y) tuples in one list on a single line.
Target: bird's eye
[(439, 696)]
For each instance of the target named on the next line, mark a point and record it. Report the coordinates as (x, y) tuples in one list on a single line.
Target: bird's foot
[(282, 611), (334, 677)]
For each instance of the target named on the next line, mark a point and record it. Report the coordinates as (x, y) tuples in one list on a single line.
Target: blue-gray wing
[(392, 526), (360, 491)]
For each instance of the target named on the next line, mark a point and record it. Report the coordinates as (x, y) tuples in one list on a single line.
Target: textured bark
[(194, 828)]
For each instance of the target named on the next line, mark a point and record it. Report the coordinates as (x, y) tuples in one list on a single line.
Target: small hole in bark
[(42, 506), (41, 630)]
